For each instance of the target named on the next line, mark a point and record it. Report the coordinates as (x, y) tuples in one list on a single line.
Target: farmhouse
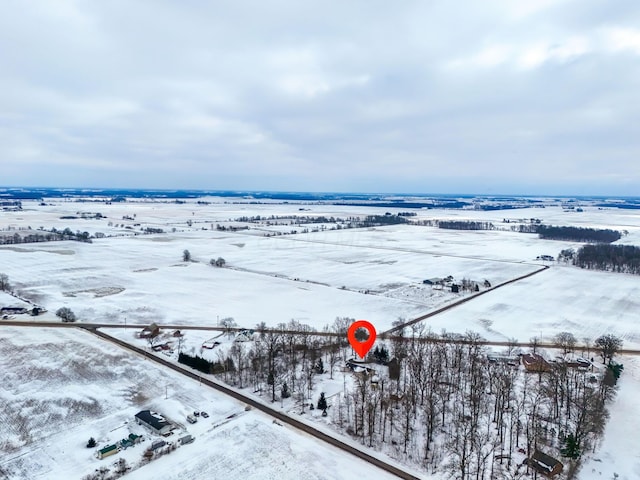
[(534, 362), (544, 464), (153, 421)]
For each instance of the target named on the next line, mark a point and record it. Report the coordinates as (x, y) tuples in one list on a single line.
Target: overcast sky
[(429, 96)]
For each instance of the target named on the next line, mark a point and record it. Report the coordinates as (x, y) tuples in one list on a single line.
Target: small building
[(130, 441), (108, 451), (455, 288), (434, 281), (210, 344), (154, 422), (151, 331), (12, 310), (511, 360), (157, 444), (244, 336), (544, 464)]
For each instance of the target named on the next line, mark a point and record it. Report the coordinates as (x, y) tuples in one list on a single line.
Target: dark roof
[(108, 449), (13, 309), (543, 462), (153, 419)]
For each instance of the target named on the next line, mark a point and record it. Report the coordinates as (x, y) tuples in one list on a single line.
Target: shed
[(151, 331), (108, 451), (12, 310), (545, 464)]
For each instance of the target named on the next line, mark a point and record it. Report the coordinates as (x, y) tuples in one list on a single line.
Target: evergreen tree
[(571, 447), (91, 443), (285, 391), (322, 403), (319, 366)]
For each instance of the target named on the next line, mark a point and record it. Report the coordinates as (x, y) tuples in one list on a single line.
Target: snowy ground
[(374, 274), (620, 449), (61, 387), (586, 303), (142, 279)]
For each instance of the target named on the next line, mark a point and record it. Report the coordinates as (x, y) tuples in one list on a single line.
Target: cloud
[(418, 96)]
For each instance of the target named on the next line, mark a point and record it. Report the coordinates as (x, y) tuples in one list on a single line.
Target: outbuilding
[(108, 451), (154, 422), (545, 464)]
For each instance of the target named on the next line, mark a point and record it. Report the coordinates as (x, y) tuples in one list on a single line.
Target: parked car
[(204, 414), (191, 419), (197, 414)]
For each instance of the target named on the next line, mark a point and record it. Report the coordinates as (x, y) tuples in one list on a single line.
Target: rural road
[(434, 339), (263, 408)]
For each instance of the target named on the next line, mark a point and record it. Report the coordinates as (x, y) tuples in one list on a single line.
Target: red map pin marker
[(361, 348)]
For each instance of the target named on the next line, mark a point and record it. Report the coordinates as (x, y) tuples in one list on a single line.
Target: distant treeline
[(465, 225), (378, 220), (577, 234), (612, 258), (36, 236)]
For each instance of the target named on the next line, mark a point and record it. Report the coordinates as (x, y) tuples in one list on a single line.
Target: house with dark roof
[(545, 464), (154, 422)]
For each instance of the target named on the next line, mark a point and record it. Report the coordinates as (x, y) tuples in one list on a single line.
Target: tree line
[(441, 404), (465, 225), (578, 234), (612, 258)]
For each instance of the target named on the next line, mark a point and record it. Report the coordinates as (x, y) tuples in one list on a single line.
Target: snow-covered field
[(586, 303), (374, 274), (61, 387)]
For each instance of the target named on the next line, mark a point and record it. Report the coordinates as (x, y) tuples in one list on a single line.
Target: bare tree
[(608, 345), (186, 256), (566, 341), (66, 314), (4, 282)]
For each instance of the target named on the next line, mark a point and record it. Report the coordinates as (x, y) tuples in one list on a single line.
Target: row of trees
[(446, 407), (36, 236), (614, 258), (465, 225), (578, 234)]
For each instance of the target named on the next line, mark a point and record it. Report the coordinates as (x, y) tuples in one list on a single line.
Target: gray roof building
[(153, 421)]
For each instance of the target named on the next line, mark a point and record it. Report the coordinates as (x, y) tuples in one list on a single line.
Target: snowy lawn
[(63, 386)]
